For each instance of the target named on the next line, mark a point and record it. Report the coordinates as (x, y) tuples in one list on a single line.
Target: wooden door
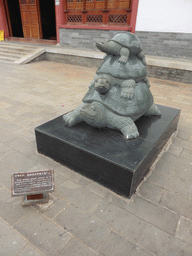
[(30, 16)]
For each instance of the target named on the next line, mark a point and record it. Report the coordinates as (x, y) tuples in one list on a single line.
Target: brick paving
[(84, 218)]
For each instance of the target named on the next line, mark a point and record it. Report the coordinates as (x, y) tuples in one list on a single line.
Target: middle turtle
[(111, 73)]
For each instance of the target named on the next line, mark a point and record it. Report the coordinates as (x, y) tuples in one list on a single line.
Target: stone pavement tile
[(154, 214), (187, 154), (26, 123), (33, 116), (9, 100), (59, 179), (190, 193), (76, 248), (184, 230), (9, 126), (7, 116), (22, 146), (116, 245), (116, 199), (92, 232), (6, 177), (175, 150), (97, 189), (18, 161), (11, 209), (77, 195), (178, 204), (42, 233), (120, 220), (84, 182), (184, 135), (10, 241), (162, 244), (52, 208), (4, 105), (182, 143), (172, 178), (42, 160), (36, 168), (3, 165), (4, 149), (70, 218), (29, 250), (177, 161), (5, 136), (106, 193), (68, 173), (151, 192)]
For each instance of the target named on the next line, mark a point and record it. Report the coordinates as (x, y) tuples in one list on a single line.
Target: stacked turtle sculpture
[(119, 93)]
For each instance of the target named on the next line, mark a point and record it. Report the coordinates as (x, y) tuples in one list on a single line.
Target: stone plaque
[(32, 183)]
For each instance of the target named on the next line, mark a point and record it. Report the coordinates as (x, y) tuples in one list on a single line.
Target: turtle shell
[(128, 40), (133, 69), (112, 100)]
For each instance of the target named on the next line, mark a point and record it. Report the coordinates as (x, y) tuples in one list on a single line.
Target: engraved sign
[(32, 183)]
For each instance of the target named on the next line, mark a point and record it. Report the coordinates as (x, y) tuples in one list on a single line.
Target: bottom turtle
[(97, 115)]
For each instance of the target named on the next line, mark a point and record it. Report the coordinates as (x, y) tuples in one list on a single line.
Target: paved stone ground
[(84, 218)]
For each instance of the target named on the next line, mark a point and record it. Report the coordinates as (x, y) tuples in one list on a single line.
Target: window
[(97, 12)]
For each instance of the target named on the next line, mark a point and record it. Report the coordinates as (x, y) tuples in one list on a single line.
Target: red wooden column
[(59, 8), (3, 20), (134, 7)]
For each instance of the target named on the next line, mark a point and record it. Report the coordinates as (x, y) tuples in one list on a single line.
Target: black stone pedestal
[(102, 154)]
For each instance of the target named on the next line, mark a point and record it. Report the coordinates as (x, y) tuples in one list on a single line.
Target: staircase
[(19, 53)]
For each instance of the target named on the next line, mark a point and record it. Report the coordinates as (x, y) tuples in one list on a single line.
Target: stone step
[(15, 51), (17, 46), (13, 54), (7, 59), (19, 53)]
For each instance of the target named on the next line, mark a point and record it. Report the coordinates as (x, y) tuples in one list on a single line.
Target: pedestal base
[(35, 199), (102, 154)]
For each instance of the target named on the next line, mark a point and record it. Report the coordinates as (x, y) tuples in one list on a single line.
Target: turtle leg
[(153, 111), (141, 56), (73, 117), (124, 124), (127, 89), (146, 80), (124, 53), (130, 131)]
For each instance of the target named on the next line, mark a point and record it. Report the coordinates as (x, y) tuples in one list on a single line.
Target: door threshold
[(32, 41)]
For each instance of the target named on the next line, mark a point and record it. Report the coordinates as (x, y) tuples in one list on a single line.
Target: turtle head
[(93, 114), (102, 83), (103, 46)]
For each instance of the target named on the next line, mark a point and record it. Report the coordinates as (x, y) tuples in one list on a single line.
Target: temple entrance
[(34, 19)]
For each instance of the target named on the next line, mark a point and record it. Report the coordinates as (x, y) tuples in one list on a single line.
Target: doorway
[(33, 19), (47, 10), (15, 23)]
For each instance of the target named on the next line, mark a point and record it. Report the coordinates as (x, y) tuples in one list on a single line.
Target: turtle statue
[(123, 44), (118, 95)]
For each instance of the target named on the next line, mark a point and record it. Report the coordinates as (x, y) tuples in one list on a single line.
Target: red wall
[(3, 21)]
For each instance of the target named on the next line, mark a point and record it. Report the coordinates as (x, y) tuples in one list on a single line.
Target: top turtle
[(123, 44)]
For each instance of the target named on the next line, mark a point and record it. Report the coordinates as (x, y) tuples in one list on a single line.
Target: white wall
[(165, 16)]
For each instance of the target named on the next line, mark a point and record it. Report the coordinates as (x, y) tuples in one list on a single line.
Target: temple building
[(164, 27), (59, 20)]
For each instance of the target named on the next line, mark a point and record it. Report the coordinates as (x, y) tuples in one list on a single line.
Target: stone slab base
[(103, 155)]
